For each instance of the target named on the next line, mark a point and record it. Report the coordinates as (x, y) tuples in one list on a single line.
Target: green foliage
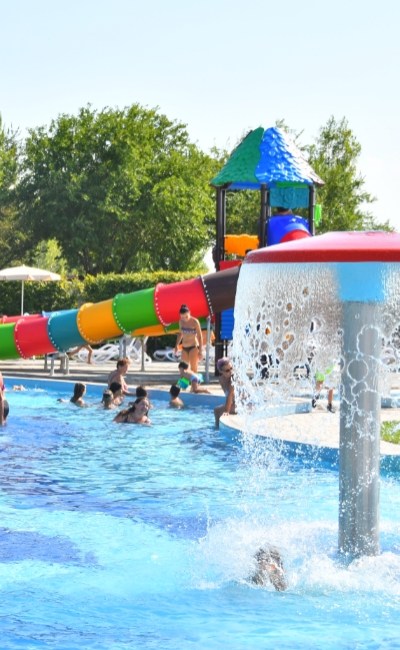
[(390, 431), (103, 287), (12, 237), (72, 293), (120, 190), (243, 210), (48, 255), (126, 190), (334, 157)]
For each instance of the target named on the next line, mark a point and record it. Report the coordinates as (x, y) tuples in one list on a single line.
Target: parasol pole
[(22, 299)]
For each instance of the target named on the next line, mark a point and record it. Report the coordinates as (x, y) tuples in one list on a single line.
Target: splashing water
[(289, 330)]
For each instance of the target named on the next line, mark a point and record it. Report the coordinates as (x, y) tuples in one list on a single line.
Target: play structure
[(269, 162), (266, 160)]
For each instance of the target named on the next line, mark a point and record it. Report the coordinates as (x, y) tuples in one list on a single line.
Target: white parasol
[(23, 273)]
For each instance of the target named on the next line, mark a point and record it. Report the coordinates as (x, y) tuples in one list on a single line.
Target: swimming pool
[(124, 536)]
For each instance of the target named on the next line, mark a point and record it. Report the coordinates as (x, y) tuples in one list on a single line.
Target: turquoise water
[(124, 536)]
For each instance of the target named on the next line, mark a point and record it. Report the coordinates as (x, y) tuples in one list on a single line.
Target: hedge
[(71, 293)]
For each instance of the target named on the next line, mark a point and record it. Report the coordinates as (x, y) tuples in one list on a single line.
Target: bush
[(70, 294), (390, 431)]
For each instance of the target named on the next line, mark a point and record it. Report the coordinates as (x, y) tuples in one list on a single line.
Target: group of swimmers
[(117, 389), (191, 342)]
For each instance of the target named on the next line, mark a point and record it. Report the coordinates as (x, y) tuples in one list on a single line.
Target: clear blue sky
[(221, 67)]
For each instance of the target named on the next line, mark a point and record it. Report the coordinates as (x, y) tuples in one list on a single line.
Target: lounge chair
[(133, 349), (166, 355), (107, 352)]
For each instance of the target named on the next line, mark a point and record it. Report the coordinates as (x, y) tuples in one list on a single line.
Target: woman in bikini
[(190, 338)]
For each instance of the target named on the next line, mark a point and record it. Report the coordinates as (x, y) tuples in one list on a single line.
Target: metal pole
[(220, 225), (220, 244), (22, 299), (207, 373), (359, 449), (143, 352), (263, 216), (311, 208)]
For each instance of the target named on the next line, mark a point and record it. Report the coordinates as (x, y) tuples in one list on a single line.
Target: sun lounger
[(166, 355)]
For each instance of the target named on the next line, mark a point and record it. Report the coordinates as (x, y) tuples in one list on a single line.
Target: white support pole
[(22, 298), (359, 450)]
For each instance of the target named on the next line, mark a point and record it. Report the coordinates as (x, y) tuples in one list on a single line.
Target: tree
[(119, 190), (13, 239), (48, 255), (334, 157)]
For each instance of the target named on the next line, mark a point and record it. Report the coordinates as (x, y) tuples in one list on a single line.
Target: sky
[(221, 67)]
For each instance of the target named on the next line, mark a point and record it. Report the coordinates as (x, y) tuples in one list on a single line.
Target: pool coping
[(95, 389), (302, 431), (313, 434)]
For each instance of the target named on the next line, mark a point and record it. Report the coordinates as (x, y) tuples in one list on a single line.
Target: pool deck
[(316, 428), (157, 374)]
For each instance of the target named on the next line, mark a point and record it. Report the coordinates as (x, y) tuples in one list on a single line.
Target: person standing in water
[(77, 397), (189, 338), (4, 407), (225, 370)]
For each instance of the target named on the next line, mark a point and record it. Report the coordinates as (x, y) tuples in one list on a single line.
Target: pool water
[(126, 536)]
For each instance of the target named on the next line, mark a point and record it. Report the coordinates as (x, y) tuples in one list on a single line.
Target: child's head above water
[(174, 391)]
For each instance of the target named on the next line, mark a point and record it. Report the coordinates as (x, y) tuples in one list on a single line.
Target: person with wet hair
[(4, 407), (188, 378), (141, 391), (77, 397), (136, 413), (118, 375), (225, 369), (175, 400), (108, 400), (269, 568), (117, 394)]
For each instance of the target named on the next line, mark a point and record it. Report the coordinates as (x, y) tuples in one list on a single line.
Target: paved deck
[(157, 374), (318, 428)]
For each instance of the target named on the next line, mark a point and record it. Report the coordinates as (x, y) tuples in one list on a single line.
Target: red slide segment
[(31, 337), (169, 297)]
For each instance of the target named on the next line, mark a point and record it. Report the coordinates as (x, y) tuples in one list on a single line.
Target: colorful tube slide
[(149, 312)]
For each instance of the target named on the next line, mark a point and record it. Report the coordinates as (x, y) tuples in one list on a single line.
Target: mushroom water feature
[(304, 305)]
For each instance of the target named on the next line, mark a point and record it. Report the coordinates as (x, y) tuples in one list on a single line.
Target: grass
[(390, 431)]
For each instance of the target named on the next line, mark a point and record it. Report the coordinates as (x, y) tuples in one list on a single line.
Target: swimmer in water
[(269, 569), (4, 408)]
